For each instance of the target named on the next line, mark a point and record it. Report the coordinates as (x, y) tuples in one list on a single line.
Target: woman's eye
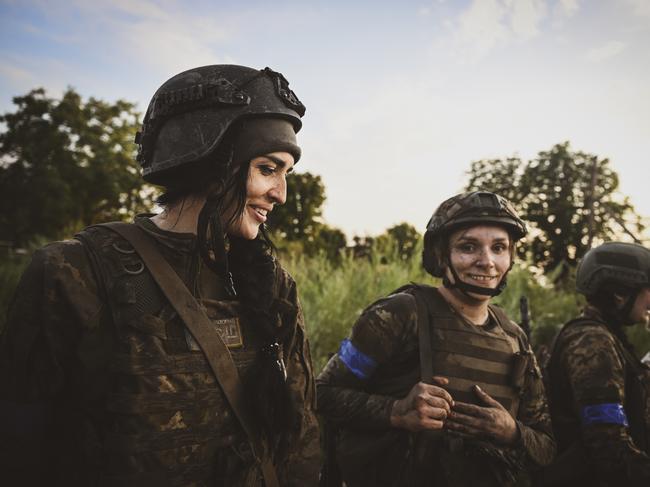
[(266, 169), (500, 248), (467, 248)]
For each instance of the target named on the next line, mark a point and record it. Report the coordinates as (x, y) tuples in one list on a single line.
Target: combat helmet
[(190, 114), (462, 210), (621, 263)]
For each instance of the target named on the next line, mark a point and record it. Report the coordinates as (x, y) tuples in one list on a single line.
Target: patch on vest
[(227, 328)]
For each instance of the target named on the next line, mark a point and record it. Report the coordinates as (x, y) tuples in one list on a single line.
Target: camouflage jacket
[(600, 404), (387, 337), (85, 390)]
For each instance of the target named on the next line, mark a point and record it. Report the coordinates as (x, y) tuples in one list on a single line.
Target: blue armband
[(356, 361), (608, 413)]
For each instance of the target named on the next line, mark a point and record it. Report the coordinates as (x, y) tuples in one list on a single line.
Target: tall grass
[(333, 296), (11, 268)]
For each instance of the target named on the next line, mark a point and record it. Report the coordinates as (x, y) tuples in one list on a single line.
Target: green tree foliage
[(569, 199), (298, 223), (299, 218), (65, 164), (402, 239)]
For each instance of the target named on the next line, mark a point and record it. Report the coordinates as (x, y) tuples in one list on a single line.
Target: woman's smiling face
[(266, 187), (480, 255)]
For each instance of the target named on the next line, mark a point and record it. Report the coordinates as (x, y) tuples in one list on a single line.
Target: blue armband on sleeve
[(608, 413), (356, 361)]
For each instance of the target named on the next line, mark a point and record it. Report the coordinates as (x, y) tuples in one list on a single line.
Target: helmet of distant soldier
[(613, 263), (191, 113)]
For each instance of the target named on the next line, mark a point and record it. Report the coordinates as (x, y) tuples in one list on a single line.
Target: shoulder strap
[(204, 333), (511, 329), (424, 334)]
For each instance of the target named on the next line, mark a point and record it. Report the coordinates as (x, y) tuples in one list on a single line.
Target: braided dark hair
[(249, 271)]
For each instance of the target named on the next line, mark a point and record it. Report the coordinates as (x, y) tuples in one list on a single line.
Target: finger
[(439, 392), (432, 424), (438, 379), (466, 420), (438, 402), (486, 398), (434, 413), (471, 409), (463, 428)]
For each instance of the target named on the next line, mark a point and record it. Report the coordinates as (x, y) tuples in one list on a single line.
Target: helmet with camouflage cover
[(619, 263), (190, 114), (465, 210)]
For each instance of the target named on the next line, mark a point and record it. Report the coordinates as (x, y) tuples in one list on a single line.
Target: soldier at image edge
[(436, 386), (599, 390), (186, 363)]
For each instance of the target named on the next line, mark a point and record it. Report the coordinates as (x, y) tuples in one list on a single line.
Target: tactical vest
[(165, 420), (466, 354), (493, 358)]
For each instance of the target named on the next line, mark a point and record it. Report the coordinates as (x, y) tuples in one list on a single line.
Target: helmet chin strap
[(625, 311), (466, 288)]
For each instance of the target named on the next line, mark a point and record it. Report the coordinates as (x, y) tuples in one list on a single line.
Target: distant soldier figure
[(436, 386), (171, 351), (599, 389)]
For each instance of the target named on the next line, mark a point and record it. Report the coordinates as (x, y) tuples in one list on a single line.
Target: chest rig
[(494, 358), (166, 421)]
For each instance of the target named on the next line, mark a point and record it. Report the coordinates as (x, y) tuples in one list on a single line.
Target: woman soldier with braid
[(437, 387), (110, 375)]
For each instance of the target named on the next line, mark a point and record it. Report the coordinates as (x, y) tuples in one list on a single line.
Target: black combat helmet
[(463, 210), (190, 114), (618, 263)]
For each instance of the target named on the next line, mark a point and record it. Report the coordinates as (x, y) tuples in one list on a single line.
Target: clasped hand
[(430, 407), (491, 421)]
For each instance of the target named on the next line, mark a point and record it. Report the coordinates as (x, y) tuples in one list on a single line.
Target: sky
[(401, 96)]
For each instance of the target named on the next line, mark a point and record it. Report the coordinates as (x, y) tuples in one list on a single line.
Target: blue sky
[(401, 97)]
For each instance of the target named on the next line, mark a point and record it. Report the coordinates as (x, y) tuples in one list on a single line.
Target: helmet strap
[(627, 308), (466, 288)]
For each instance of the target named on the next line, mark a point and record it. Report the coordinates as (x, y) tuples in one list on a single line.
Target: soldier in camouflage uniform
[(472, 414), (102, 383), (599, 390)]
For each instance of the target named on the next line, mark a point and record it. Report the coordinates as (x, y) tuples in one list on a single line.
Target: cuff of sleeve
[(525, 440), (384, 409)]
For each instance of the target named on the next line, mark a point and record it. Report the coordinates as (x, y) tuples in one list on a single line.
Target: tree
[(65, 164), (403, 238), (299, 220), (568, 198)]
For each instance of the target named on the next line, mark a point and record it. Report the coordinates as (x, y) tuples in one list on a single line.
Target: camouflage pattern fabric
[(89, 401), (589, 371), (386, 333)]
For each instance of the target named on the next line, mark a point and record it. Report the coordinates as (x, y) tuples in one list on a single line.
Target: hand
[(424, 408), (492, 421)]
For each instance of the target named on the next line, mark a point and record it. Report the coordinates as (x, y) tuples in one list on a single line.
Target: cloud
[(640, 7), (606, 51), (566, 8), (15, 75), (168, 39), (486, 24)]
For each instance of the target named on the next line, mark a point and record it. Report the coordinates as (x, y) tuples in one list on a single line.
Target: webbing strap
[(424, 336), (204, 333)]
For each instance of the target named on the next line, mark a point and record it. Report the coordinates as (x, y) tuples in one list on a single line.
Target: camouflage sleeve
[(534, 419), (55, 297), (596, 375), (376, 337), (303, 458)]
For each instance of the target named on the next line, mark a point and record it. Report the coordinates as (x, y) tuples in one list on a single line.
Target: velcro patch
[(227, 328)]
